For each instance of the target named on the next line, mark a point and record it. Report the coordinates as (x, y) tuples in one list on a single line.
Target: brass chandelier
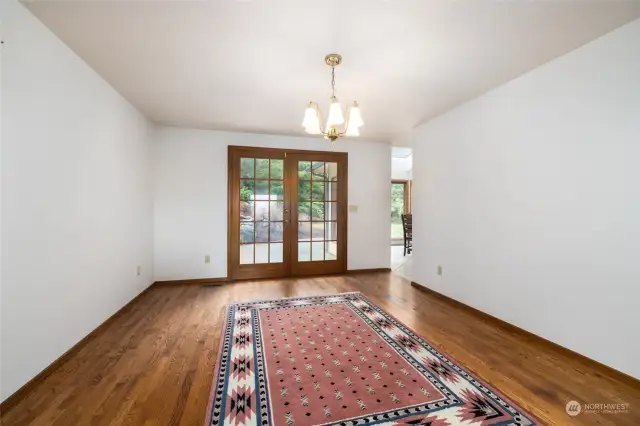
[(312, 122)]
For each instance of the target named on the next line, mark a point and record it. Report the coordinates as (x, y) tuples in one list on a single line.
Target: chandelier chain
[(333, 82)]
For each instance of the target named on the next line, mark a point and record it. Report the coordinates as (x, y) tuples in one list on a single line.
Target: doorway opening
[(401, 181)]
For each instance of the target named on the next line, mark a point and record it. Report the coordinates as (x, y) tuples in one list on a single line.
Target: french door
[(287, 213)]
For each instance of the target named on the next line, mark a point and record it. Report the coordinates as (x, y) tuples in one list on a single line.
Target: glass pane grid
[(261, 227), (317, 211), (262, 189)]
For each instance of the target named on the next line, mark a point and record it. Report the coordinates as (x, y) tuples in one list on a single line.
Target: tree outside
[(397, 209), (260, 197), (255, 193)]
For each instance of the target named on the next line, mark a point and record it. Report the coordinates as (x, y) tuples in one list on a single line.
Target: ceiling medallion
[(312, 122)]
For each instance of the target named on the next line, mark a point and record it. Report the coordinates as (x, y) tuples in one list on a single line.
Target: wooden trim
[(605, 370), (230, 201), (368, 271), (288, 151), (193, 281), (17, 397)]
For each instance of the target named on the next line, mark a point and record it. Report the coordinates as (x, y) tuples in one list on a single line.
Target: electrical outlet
[(439, 269), (207, 258), (138, 270)]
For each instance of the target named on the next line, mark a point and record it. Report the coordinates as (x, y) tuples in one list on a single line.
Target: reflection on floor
[(401, 265)]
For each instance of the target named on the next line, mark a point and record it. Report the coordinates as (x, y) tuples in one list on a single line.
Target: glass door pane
[(317, 211), (261, 210)]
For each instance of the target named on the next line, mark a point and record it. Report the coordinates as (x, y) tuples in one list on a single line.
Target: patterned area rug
[(341, 360)]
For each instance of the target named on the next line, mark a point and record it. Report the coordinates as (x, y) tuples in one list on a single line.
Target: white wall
[(401, 167), (190, 199), (76, 199), (401, 163), (529, 197)]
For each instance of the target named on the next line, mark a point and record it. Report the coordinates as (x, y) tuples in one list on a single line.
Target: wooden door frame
[(407, 193), (233, 189), (270, 270), (322, 267)]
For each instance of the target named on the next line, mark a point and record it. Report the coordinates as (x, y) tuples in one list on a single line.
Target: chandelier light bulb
[(355, 119), (311, 122), (310, 115), (335, 113)]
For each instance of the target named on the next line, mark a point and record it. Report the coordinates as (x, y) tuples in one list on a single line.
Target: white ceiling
[(252, 65)]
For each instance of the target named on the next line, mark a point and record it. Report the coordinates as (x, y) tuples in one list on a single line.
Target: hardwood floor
[(153, 365)]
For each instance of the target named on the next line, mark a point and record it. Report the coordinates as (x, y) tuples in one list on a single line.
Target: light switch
[(353, 208)]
